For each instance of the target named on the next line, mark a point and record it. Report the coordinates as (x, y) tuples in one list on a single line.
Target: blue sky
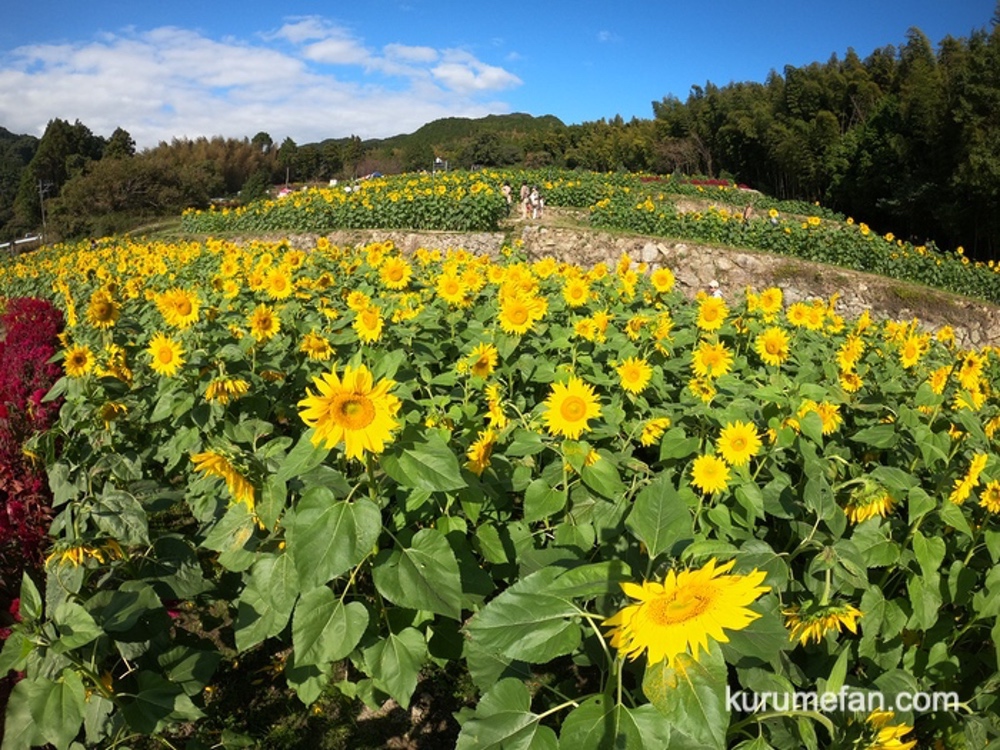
[(376, 68)]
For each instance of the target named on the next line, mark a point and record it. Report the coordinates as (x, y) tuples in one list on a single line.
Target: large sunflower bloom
[(103, 311), (483, 359), (634, 374), (772, 346), (78, 360), (711, 360), (166, 355), (681, 614), (215, 464), (712, 312), (179, 307), (519, 314), (395, 273), (278, 283), (368, 324), (480, 451), (353, 410), (709, 474), (264, 323), (569, 407), (738, 443)]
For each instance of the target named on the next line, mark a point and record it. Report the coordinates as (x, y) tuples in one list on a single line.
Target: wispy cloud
[(606, 37), (309, 79)]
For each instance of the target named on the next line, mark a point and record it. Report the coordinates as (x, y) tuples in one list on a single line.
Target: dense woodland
[(907, 140)]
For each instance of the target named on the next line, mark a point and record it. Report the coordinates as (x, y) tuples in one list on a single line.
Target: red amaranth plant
[(29, 330)]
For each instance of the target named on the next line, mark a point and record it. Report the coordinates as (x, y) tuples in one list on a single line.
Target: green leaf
[(21, 730), (765, 638), (31, 600), (324, 629), (424, 575), (676, 444), (660, 518), (58, 711), (692, 697), (524, 443), (327, 537), (191, 668), (157, 702), (879, 436), (302, 458), (603, 478), (122, 609), (430, 466), (601, 724), (542, 501), (503, 721), (230, 537), (394, 663), (267, 600), (119, 515), (527, 622), (76, 627), (16, 650)]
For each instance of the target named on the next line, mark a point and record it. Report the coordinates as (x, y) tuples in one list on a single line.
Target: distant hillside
[(450, 130)]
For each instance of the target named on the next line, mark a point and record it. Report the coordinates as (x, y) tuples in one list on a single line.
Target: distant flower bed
[(608, 508)]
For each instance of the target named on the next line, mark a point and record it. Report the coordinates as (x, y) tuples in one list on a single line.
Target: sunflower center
[(773, 346), (165, 355), (103, 311), (518, 316), (679, 607), (573, 409), (354, 412), (183, 306)]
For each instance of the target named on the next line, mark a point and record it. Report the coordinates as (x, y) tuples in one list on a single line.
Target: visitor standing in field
[(535, 199), (507, 195), (525, 191)]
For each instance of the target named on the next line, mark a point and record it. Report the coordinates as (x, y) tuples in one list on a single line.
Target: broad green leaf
[(15, 652), (430, 466), (230, 537), (121, 516), (527, 622), (692, 695), (878, 436), (603, 478), (59, 710), (424, 575), (503, 721), (930, 552), (660, 519), (302, 458), (327, 537), (31, 600), (524, 443), (267, 600), (542, 501), (676, 444), (765, 638), (21, 730), (76, 627), (119, 611), (394, 663), (600, 724), (158, 702), (324, 629), (191, 668)]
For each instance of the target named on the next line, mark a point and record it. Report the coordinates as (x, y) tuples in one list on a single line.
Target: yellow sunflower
[(680, 615), (653, 430), (772, 346), (103, 311), (452, 290), (178, 307), (569, 407), (166, 355), (483, 360), (709, 474), (868, 500), (264, 323), (223, 390), (662, 280), (989, 498), (711, 360), (395, 273), (911, 351), (738, 443), (576, 292), (368, 324), (78, 360), (278, 283), (519, 314), (712, 312), (316, 346), (813, 622), (886, 736), (771, 301), (634, 374), (353, 410), (480, 451), (214, 463)]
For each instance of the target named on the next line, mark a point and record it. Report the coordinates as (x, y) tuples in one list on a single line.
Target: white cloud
[(608, 36), (309, 80)]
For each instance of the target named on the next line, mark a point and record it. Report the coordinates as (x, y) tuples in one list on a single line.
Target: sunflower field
[(625, 518)]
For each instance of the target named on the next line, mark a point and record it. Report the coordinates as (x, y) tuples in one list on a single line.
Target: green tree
[(120, 145)]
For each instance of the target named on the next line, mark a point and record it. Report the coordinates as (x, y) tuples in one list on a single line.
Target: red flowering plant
[(29, 330)]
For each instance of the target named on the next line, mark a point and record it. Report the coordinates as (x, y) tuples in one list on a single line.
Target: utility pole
[(43, 188)]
